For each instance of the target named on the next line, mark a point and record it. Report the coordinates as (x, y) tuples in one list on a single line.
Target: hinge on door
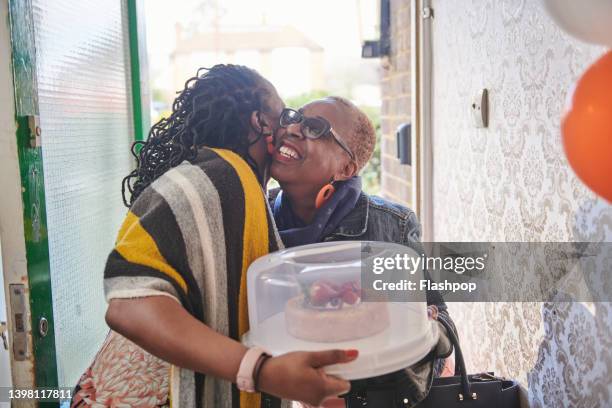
[(17, 296), (35, 131), (427, 12)]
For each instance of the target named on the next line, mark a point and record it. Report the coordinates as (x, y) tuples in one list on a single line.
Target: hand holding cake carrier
[(322, 296)]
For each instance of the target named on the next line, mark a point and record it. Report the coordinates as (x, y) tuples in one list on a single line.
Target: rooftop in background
[(269, 49), (296, 44), (233, 39)]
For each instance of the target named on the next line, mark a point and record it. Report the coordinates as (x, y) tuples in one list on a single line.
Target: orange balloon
[(587, 128)]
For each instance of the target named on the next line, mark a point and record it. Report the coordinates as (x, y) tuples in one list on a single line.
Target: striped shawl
[(192, 235)]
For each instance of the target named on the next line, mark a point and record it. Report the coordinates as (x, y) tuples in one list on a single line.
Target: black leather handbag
[(396, 390), (483, 390)]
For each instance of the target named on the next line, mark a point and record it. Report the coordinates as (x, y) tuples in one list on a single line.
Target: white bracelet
[(244, 378)]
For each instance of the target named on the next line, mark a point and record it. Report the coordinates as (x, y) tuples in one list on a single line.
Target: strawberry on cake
[(328, 312)]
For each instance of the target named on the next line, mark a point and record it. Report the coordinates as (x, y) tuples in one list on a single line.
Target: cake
[(327, 312)]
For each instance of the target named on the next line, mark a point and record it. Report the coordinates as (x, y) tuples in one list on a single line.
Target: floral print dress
[(123, 375)]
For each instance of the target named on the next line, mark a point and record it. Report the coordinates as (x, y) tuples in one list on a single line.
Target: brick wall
[(396, 178)]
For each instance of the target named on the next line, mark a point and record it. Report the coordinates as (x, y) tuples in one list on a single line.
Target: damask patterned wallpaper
[(511, 182)]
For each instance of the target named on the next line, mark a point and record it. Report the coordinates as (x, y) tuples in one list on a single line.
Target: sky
[(339, 26), (332, 23)]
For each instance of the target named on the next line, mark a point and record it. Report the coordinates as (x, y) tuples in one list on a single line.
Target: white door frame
[(422, 144)]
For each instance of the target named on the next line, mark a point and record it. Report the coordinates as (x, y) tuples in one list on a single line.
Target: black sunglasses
[(312, 128)]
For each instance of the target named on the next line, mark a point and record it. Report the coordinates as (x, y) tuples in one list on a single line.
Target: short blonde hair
[(362, 138)]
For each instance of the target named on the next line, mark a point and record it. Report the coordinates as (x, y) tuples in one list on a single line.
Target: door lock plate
[(17, 296)]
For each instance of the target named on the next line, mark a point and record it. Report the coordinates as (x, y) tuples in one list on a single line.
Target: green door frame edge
[(23, 47), (137, 65), (23, 50)]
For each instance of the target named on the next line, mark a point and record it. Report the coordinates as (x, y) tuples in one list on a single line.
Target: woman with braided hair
[(176, 278)]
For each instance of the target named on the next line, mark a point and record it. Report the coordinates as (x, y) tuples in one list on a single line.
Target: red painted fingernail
[(352, 353)]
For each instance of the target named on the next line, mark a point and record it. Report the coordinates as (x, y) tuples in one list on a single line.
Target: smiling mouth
[(287, 153)]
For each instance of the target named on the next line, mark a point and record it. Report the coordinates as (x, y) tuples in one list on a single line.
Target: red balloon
[(587, 128)]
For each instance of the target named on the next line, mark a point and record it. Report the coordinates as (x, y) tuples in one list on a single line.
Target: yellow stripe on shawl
[(255, 244), (136, 245)]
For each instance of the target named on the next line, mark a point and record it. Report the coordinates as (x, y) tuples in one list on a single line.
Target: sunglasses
[(312, 128)]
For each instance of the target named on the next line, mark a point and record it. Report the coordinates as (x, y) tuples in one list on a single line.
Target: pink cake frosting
[(328, 312)]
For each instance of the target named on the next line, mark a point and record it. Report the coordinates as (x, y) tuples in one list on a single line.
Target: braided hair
[(213, 110)]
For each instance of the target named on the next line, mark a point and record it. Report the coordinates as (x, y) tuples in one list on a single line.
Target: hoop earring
[(325, 194)]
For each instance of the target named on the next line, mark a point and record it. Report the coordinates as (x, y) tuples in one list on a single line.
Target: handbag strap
[(460, 369)]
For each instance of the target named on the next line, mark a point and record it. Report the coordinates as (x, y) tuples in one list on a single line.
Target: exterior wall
[(511, 182), (396, 178)]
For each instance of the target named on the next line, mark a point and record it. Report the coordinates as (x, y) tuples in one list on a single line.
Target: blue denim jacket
[(374, 219), (377, 219)]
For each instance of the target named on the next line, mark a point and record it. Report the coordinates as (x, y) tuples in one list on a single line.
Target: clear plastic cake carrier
[(309, 298)]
